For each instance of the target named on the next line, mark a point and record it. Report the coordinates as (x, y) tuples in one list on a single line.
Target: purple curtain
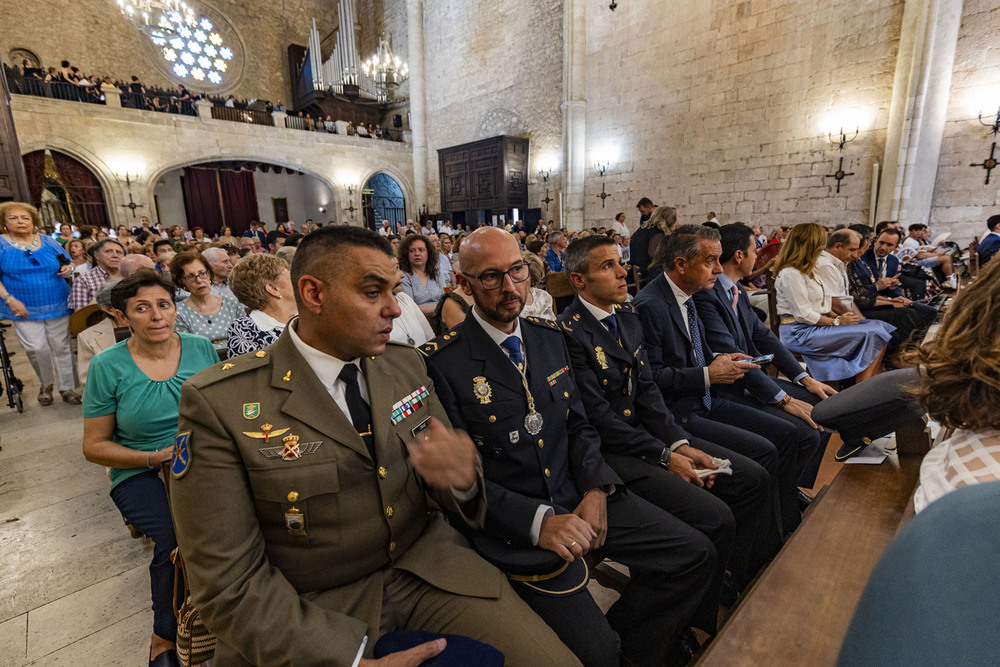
[(239, 200), (83, 189), (34, 169), (201, 198)]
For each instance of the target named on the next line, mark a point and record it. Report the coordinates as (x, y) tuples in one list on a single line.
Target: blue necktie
[(513, 347), (699, 353), (612, 324)]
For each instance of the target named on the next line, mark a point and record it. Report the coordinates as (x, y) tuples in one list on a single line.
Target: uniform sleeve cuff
[(536, 525)]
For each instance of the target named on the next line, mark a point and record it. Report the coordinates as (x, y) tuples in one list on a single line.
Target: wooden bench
[(798, 610)]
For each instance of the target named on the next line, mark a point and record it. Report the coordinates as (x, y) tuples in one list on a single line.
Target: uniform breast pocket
[(297, 503), (495, 426)]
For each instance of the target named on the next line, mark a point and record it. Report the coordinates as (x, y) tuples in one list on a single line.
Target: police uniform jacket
[(556, 466), (742, 331), (630, 416), (279, 596)]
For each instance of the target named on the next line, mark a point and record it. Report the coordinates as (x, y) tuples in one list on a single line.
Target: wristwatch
[(836, 321), (785, 400), (665, 457)]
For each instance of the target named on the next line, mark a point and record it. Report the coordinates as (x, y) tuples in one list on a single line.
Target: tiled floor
[(74, 585)]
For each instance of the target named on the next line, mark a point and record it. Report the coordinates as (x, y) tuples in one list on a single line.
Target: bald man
[(132, 263), (222, 266)]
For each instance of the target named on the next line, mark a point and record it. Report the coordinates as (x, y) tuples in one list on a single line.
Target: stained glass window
[(192, 46)]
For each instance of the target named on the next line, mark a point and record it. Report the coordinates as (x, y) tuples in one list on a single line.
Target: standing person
[(507, 381), (78, 253), (203, 313), (130, 419), (647, 239), (65, 234), (107, 253), (419, 262), (619, 224), (262, 283), (33, 293), (328, 525)]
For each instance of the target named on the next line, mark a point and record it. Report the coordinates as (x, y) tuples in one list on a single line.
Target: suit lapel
[(382, 392), (496, 366), (599, 335), (308, 400), (675, 310)]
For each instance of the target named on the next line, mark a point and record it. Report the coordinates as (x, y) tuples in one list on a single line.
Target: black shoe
[(165, 659), (805, 500), (851, 448), (685, 650)]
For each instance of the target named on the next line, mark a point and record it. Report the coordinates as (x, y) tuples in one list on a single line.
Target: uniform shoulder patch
[(624, 307), (182, 455), (439, 343), (549, 324), (566, 323), (227, 369)]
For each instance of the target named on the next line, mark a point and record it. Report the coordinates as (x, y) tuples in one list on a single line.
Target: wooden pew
[(798, 610)]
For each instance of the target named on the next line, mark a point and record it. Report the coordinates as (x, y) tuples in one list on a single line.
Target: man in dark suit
[(991, 242), (509, 382), (686, 370), (640, 440), (299, 487), (731, 326)]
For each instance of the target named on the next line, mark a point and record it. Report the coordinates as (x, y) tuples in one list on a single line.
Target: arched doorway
[(382, 199), (64, 190)]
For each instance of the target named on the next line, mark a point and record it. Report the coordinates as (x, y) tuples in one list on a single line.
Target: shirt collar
[(598, 312), (679, 294), (265, 322), (726, 281), (833, 258), (495, 334), (326, 367)]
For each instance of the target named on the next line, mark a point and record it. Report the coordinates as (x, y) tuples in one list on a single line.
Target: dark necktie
[(881, 268), (699, 353), (513, 347), (361, 414), (611, 322)]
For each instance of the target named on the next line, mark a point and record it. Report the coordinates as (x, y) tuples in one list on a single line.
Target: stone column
[(574, 108), (418, 109), (204, 108), (279, 119), (112, 97), (918, 110)]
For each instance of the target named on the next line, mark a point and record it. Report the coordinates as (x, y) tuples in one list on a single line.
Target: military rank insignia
[(251, 410), (182, 455), (482, 389), (602, 359), (291, 449), (410, 404), (552, 378), (267, 431)]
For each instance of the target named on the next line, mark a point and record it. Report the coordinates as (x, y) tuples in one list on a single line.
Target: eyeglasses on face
[(193, 277), (494, 279)]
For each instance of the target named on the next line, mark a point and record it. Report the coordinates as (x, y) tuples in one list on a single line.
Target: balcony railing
[(251, 116)]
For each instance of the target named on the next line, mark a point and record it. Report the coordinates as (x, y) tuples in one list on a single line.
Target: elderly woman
[(646, 240), (33, 294), (539, 302), (130, 420), (835, 347), (203, 313), (960, 387), (418, 261), (262, 283)]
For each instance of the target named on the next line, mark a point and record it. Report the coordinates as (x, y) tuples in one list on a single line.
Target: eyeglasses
[(494, 279), (194, 277)]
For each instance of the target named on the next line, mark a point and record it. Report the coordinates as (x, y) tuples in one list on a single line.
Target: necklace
[(36, 240), (533, 420)]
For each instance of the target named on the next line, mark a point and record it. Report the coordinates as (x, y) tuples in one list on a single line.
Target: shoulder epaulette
[(625, 307), (542, 322), (567, 323), (229, 368), (432, 346)]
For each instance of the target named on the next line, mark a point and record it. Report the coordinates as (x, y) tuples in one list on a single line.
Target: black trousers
[(911, 321), (671, 566), (873, 408)]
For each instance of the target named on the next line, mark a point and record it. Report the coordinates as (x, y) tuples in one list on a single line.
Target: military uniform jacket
[(616, 384), (280, 596), (482, 393)]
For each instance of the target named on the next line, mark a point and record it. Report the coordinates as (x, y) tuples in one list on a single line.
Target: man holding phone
[(731, 326)]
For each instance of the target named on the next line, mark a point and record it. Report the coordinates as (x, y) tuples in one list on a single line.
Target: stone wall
[(962, 200)]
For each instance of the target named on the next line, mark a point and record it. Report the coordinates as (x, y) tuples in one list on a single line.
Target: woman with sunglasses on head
[(203, 313), (33, 294)]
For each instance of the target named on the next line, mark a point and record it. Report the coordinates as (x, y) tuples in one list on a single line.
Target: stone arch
[(99, 212), (386, 201), (502, 121), (104, 173)]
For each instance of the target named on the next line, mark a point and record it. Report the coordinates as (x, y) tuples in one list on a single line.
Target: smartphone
[(760, 361)]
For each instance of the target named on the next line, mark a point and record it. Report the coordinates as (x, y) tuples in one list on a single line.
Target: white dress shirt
[(327, 368), (832, 273), (801, 296), (682, 298)]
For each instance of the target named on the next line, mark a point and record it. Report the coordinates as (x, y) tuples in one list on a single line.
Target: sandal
[(71, 397), (45, 395)]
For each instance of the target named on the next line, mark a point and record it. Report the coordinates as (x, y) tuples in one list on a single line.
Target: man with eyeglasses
[(509, 382)]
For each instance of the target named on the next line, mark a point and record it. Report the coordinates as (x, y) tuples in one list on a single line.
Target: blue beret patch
[(182, 455)]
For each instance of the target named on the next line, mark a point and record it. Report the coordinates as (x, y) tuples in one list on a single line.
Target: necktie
[(881, 268), (699, 353), (736, 296), (513, 347), (361, 414), (611, 322)]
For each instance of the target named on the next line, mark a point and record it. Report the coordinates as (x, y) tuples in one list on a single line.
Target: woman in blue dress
[(834, 347)]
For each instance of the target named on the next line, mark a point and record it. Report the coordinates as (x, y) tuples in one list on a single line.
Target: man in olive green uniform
[(299, 487)]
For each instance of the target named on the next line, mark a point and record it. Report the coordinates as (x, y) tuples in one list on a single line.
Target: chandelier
[(157, 17), (384, 68)]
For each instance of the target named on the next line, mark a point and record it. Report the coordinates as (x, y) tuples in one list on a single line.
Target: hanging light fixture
[(384, 68), (157, 18)]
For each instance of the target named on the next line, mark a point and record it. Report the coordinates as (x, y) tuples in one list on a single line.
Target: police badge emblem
[(483, 390), (602, 359)]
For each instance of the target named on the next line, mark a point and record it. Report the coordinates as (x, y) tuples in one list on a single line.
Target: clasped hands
[(571, 536)]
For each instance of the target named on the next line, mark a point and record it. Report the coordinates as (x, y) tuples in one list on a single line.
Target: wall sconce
[(600, 167), (989, 163), (840, 142), (994, 126)]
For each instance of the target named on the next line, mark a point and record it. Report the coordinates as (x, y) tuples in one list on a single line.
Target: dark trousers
[(671, 566), (142, 500), (910, 322)]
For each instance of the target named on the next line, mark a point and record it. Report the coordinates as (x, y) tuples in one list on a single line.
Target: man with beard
[(508, 381)]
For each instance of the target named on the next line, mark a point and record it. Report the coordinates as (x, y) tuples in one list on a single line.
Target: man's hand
[(723, 370), (887, 283), (691, 460), (900, 301), (594, 510), (814, 386), (802, 410), (445, 459), (413, 657), (566, 534)]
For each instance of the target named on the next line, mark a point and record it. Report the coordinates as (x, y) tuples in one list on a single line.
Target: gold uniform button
[(493, 418), (293, 496), (388, 512), (541, 443), (627, 412), (392, 546), (604, 381), (565, 394), (642, 363), (382, 472), (548, 473), (261, 354)]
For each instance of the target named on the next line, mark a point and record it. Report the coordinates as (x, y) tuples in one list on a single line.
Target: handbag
[(195, 642)]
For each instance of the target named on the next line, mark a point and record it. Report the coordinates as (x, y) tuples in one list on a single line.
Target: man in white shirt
[(914, 248), (385, 229), (842, 247)]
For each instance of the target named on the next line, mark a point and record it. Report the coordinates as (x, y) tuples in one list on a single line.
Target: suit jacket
[(742, 331), (988, 248), (668, 347), (556, 466), (92, 340), (271, 595), (865, 272), (630, 416)]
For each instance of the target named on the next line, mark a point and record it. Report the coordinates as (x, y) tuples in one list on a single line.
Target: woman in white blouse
[(960, 387), (834, 347)]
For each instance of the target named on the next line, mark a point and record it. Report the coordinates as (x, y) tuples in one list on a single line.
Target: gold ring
[(570, 547)]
